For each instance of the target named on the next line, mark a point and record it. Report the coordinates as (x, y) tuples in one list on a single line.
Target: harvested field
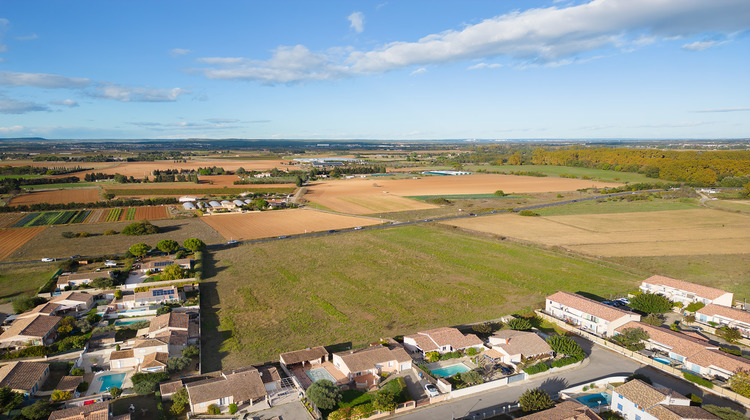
[(372, 195), (243, 226), (12, 239), (81, 195), (50, 242), (151, 213), (160, 191), (8, 219), (95, 215), (141, 169), (673, 232)]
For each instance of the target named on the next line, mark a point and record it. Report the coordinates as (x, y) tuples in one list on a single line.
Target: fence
[(488, 385), (643, 359), (156, 283)]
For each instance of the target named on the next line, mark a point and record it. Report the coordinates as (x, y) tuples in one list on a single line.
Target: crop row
[(80, 216), (131, 214), (44, 219), (26, 219), (114, 215)]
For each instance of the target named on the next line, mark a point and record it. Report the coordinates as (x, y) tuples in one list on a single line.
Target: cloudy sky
[(384, 69)]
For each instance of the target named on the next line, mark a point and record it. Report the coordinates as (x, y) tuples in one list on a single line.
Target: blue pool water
[(663, 360), (320, 373), (595, 400), (111, 380), (128, 321), (451, 370)]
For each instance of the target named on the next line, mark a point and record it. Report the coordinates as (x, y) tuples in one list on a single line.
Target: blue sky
[(375, 70)]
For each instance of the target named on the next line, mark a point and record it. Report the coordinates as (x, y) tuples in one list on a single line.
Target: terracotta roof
[(242, 386), (22, 375), (268, 374), (698, 289), (96, 411), (588, 306), (446, 336), (150, 293), (423, 342), (725, 312), (365, 359), (152, 360), (43, 309), (173, 338), (89, 275), (141, 343), (33, 326), (493, 354), (74, 296), (719, 359), (566, 410), (680, 412), (678, 342), (524, 343), (103, 337), (121, 354), (640, 393), (305, 355), (69, 383), (170, 320), (168, 388)]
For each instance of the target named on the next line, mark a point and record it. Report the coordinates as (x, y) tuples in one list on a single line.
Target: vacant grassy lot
[(20, 279), (619, 206), (737, 206), (263, 299), (595, 174), (50, 242)]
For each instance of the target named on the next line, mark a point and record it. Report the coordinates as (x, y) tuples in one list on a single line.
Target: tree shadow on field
[(170, 228), (211, 338), (590, 296)]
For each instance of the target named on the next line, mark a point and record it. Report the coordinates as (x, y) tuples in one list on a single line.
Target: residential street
[(602, 363)]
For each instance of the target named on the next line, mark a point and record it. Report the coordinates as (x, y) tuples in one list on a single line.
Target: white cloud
[(736, 109), (357, 21), (27, 37), (485, 66), (175, 52), (183, 125), (11, 129), (137, 94), (702, 45), (676, 124), (42, 80), (66, 102), (12, 106), (419, 71), (222, 120)]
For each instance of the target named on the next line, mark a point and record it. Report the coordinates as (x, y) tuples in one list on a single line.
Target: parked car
[(231, 242), (332, 231), (626, 301), (48, 259), (358, 228), (282, 237), (432, 390), (506, 370)]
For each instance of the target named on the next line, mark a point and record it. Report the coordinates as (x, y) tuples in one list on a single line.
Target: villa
[(686, 292), (725, 316), (95, 411), (159, 264), (237, 387), (24, 377), (517, 346), (156, 296), (442, 340), (78, 279), (74, 301), (639, 400), (364, 366), (37, 330), (588, 314)]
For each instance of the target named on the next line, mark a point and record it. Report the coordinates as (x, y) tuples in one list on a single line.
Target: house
[(518, 346), (172, 321), (725, 316), (154, 362), (364, 366), (696, 355), (588, 314), (270, 377), (638, 400), (301, 358), (686, 292), (24, 377), (238, 387), (37, 330), (103, 339), (155, 296), (159, 264), (74, 301), (70, 384), (47, 308), (95, 411), (442, 340), (566, 410), (78, 279), (123, 359), (167, 389)]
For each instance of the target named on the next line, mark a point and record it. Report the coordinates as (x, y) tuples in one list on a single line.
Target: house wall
[(724, 300), (411, 345), (742, 326), (577, 317), (612, 326), (125, 363), (628, 409)]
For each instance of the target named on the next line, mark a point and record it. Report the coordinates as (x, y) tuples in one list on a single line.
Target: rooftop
[(242, 386), (305, 355), (445, 336), (32, 326), (642, 394), (700, 290), (96, 411), (170, 320), (22, 375), (566, 410), (522, 342), (725, 312), (367, 358), (588, 306)]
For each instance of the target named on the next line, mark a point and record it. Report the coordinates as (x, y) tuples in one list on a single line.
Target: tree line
[(123, 202)]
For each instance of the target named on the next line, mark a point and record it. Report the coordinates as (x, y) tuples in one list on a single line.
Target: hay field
[(266, 224), (12, 239), (262, 299), (672, 232), (79, 195), (363, 196)]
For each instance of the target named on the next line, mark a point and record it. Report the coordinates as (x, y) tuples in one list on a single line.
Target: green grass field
[(20, 176), (21, 279), (263, 299), (59, 186), (595, 174), (618, 206)]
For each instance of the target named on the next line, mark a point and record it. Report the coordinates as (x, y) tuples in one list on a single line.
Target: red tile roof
[(588, 306), (726, 312), (445, 336), (698, 289)]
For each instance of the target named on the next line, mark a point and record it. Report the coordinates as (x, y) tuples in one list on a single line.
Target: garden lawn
[(24, 279), (263, 299)]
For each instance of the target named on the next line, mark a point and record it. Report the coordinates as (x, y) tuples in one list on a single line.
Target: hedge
[(565, 361), (537, 368), (698, 380)]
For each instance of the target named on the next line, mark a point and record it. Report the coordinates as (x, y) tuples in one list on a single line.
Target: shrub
[(534, 400), (565, 345), (471, 351), (695, 399), (179, 401), (140, 228), (110, 232), (565, 361), (740, 382), (232, 408), (213, 409), (651, 303), (695, 306), (732, 335), (77, 372), (729, 350), (58, 395), (528, 213), (537, 368), (118, 294), (82, 387), (432, 356), (698, 380), (724, 413), (190, 351), (520, 324), (25, 303), (471, 377), (500, 193), (37, 411), (324, 394), (68, 234), (175, 364)]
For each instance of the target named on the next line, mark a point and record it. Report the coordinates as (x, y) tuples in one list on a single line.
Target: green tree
[(179, 401), (500, 193), (190, 351), (175, 364), (631, 338), (520, 324), (9, 399), (471, 377), (58, 395), (324, 394), (109, 196), (213, 409), (118, 294), (194, 244), (25, 303), (740, 382), (651, 303), (167, 245), (232, 408), (384, 401), (144, 388), (139, 249), (140, 228), (173, 272), (534, 400), (37, 411), (298, 181), (653, 319), (732, 335), (565, 345)]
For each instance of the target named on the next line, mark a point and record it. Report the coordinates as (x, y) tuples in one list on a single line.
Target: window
[(637, 417), (619, 406), (619, 396)]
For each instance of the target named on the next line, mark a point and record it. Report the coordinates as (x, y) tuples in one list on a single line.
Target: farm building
[(238, 203), (187, 199), (214, 203), (446, 173), (188, 206)]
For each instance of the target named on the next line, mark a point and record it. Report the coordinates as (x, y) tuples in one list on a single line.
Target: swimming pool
[(451, 370), (119, 322), (595, 400), (320, 373), (663, 360), (109, 381)]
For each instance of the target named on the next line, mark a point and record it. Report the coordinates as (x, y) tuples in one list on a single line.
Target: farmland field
[(82, 195), (113, 215), (242, 226), (27, 278), (25, 219), (150, 213), (672, 232), (50, 242), (364, 196), (618, 206), (8, 219), (95, 215), (141, 169), (550, 170), (169, 192), (262, 299), (130, 214), (12, 239)]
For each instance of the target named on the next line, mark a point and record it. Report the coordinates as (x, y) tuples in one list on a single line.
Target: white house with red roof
[(686, 292), (442, 340), (725, 316), (588, 314)]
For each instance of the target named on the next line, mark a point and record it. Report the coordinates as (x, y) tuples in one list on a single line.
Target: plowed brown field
[(372, 195), (80, 195), (141, 169), (12, 239), (645, 234), (95, 215), (150, 213), (243, 226), (7, 219)]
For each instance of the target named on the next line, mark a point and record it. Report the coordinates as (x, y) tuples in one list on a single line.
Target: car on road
[(431, 390), (283, 237), (625, 301), (358, 228), (428, 220), (232, 242), (48, 259), (472, 214), (332, 231)]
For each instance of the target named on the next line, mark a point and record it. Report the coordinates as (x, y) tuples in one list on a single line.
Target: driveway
[(291, 411), (135, 277)]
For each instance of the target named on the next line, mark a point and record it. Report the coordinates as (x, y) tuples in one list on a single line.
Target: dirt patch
[(151, 213), (372, 195), (12, 239), (79, 195), (7, 219), (281, 222), (674, 232)]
